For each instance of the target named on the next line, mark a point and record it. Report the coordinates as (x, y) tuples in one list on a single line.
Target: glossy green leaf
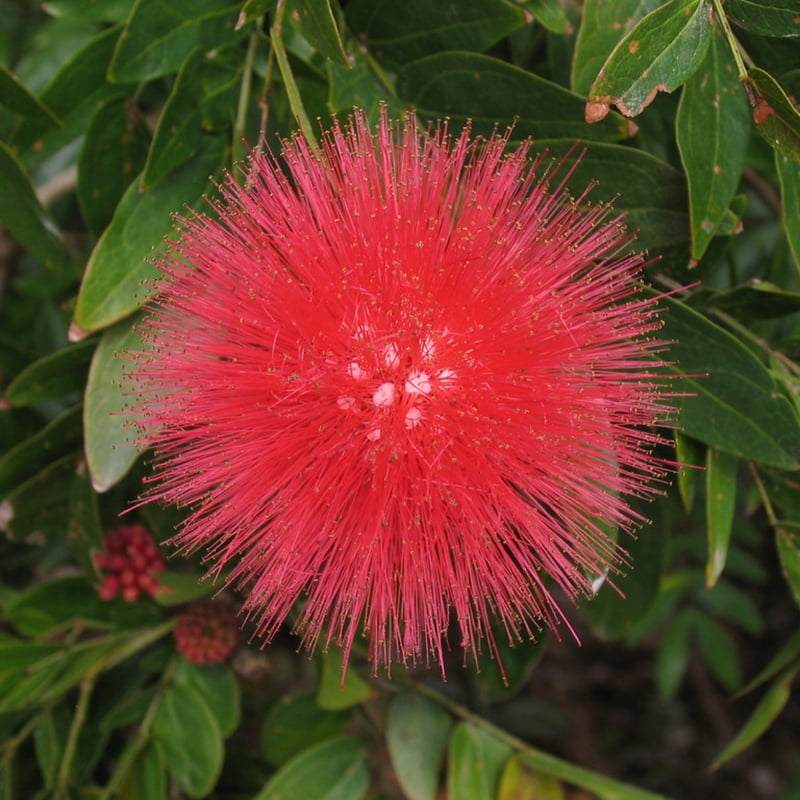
[(475, 763), (84, 528), (776, 117), (37, 509), (201, 102), (602, 27), (657, 55), (734, 403), (94, 10), (158, 36), (468, 86), (403, 32), (550, 15), (720, 507), (58, 438), (112, 286), (187, 734), (147, 780), (315, 21), (217, 684), (789, 176), (23, 215), (788, 547), (53, 376), (15, 96), (519, 782), (117, 140), (110, 438), (49, 605), (74, 94), (338, 689), (335, 769), (713, 131), (417, 731), (766, 17), (765, 713), (295, 723)]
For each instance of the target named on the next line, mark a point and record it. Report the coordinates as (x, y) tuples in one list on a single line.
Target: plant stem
[(78, 720), (292, 92), (240, 124), (719, 12)]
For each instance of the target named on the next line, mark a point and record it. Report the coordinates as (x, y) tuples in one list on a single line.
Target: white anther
[(384, 395), (356, 371), (418, 383), (374, 435), (345, 403), (391, 356), (447, 377), (413, 418)]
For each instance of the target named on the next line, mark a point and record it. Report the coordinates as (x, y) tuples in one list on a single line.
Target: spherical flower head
[(206, 633), (406, 380), (130, 563)]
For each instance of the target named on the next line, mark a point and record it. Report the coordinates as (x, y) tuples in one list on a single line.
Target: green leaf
[(58, 374), (296, 723), (17, 654), (468, 86), (550, 15), (713, 131), (110, 440), (23, 215), (74, 94), (16, 96), (338, 689), (789, 554), (754, 300), (201, 102), (720, 506), (658, 55), (602, 26), (158, 36), (766, 17), (315, 21), (417, 731), (765, 713), (47, 606), (217, 685), (403, 32), (49, 738), (84, 527), (787, 655), (776, 117), (789, 176), (112, 284), (735, 606), (519, 782), (94, 10), (672, 656), (187, 733), (57, 438), (177, 588), (38, 508), (252, 10), (117, 139), (335, 769), (719, 651), (475, 763), (688, 453), (734, 403), (147, 780)]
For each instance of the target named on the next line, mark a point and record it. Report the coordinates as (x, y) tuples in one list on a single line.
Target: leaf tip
[(76, 333), (597, 109)]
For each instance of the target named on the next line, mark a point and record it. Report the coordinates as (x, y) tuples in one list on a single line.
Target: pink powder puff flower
[(405, 380), (130, 564)]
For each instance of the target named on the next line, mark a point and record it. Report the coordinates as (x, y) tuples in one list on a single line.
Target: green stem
[(70, 748), (240, 124), (292, 91), (603, 787), (719, 12)]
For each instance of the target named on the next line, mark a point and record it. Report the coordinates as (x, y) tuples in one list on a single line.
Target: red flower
[(206, 633), (130, 562), (403, 379)]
